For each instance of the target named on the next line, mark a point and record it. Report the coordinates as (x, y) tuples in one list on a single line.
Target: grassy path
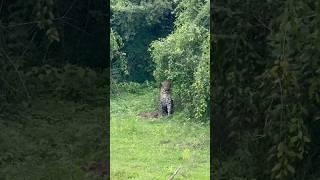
[(155, 149)]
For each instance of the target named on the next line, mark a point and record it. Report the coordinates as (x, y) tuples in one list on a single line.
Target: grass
[(52, 139), (155, 148)]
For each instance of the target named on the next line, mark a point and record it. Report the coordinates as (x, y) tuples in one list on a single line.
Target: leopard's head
[(166, 85)]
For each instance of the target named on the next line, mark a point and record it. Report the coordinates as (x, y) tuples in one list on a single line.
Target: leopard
[(166, 101)]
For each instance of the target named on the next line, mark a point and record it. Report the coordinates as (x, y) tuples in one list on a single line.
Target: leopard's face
[(166, 85), (166, 103)]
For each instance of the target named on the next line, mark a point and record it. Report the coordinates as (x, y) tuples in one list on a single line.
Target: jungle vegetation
[(265, 87), (265, 78)]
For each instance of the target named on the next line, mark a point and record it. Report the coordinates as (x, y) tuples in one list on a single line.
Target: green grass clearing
[(154, 148)]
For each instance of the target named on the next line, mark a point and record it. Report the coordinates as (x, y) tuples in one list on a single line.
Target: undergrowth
[(52, 139)]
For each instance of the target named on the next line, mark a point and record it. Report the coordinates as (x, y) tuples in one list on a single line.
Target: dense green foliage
[(143, 48), (266, 89), (118, 58), (183, 57), (138, 23), (53, 84), (143, 148)]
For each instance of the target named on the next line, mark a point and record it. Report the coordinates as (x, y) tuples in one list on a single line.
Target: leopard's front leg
[(162, 108), (169, 108)]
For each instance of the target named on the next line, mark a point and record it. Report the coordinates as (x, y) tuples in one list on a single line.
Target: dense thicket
[(266, 89)]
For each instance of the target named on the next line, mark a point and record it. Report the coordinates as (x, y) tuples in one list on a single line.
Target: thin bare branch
[(175, 173)]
